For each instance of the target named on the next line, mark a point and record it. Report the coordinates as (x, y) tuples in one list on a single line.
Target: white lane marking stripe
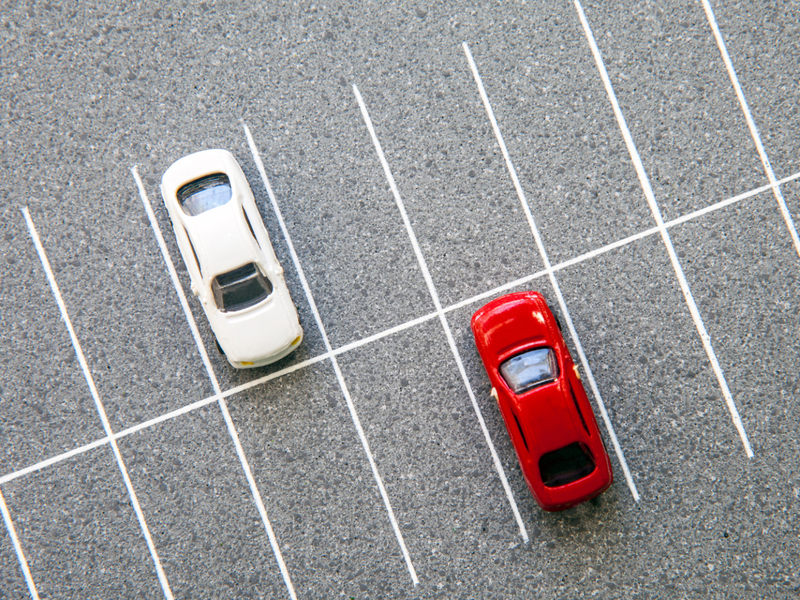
[(787, 217), (548, 268), (723, 203), (385, 333), (429, 281), (648, 192), (259, 502), (162, 578), (357, 344), (23, 563), (54, 460), (345, 391)]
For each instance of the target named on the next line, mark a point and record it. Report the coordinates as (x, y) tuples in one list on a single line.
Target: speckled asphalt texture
[(87, 91)]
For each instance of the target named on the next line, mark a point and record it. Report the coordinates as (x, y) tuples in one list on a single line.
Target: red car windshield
[(529, 369)]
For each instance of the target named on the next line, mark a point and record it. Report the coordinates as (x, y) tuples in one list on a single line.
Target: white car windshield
[(204, 194), (240, 288), (529, 369)]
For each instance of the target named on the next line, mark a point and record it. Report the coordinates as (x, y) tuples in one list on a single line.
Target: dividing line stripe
[(54, 460), (162, 578), (340, 378), (403, 326), (787, 217), (651, 200), (448, 333), (549, 270), (733, 200), (23, 563), (262, 511)]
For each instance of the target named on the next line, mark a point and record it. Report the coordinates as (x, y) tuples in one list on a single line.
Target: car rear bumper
[(293, 345)]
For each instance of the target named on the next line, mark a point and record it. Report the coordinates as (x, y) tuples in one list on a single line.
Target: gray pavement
[(87, 92)]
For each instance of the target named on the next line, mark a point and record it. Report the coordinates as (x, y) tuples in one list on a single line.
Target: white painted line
[(162, 578), (714, 207), (493, 292), (385, 333), (285, 371), (345, 391), (787, 217), (23, 563), (648, 192), (54, 460), (259, 502), (548, 268), (435, 296)]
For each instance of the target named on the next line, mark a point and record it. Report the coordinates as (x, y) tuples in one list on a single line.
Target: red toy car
[(542, 400)]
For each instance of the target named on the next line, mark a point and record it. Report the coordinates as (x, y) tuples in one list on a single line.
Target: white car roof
[(220, 236)]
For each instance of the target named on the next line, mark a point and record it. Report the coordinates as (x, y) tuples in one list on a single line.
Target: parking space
[(39, 364), (204, 523), (648, 358), (561, 135), (139, 373), (79, 532), (318, 488), (146, 85), (150, 200), (360, 267), (752, 317), (759, 40), (679, 103), (448, 499), (442, 154)]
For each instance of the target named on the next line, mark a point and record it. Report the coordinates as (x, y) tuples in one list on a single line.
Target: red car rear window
[(566, 465)]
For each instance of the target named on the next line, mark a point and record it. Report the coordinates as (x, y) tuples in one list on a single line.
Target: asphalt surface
[(87, 92)]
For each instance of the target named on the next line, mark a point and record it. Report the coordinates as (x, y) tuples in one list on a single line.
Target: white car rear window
[(240, 288), (204, 194)]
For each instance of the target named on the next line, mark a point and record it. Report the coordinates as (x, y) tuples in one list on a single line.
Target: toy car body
[(542, 400), (231, 263)]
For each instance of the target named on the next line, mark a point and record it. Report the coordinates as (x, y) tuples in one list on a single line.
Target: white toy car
[(231, 262)]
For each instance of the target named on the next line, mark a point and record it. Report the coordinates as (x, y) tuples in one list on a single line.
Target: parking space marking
[(259, 502), (733, 200), (550, 272), (162, 578), (396, 329), (159, 419), (330, 354), (787, 217), (440, 312), (651, 200), (23, 563), (54, 460), (385, 333)]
